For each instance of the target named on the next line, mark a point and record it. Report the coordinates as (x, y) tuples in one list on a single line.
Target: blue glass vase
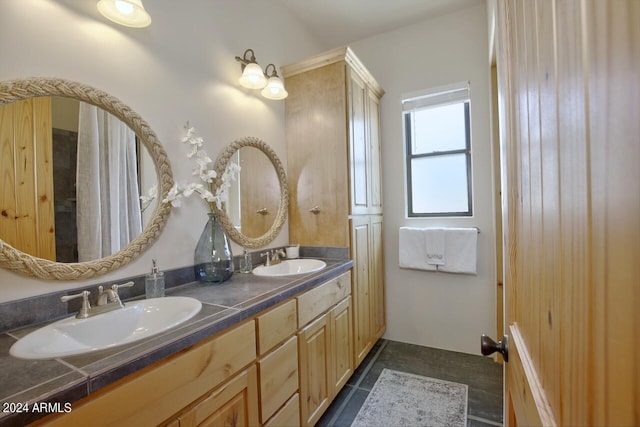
[(213, 259)]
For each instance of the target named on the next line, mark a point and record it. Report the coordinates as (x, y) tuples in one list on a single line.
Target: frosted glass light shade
[(129, 13), (274, 89), (252, 77)]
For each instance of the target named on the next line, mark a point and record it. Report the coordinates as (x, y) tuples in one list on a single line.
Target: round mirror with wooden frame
[(254, 183), (28, 264)]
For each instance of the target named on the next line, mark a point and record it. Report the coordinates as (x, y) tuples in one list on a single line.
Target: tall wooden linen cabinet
[(334, 171)]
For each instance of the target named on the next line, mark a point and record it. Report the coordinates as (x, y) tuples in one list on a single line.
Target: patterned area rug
[(401, 399)]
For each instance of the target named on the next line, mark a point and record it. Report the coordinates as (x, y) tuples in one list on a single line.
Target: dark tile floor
[(481, 374)]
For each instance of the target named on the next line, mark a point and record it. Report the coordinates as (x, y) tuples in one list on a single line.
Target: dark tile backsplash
[(47, 307)]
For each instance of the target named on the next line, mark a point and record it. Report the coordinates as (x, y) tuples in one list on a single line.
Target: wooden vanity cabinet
[(325, 344), (281, 368), (332, 116)]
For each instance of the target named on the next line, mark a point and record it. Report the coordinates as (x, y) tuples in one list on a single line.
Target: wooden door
[(569, 98), (26, 165)]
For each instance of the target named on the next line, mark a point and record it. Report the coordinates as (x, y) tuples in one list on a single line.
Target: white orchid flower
[(208, 175), (190, 188), (210, 190), (152, 193), (174, 196), (207, 195)]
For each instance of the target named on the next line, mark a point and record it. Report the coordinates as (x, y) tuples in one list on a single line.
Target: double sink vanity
[(240, 355)]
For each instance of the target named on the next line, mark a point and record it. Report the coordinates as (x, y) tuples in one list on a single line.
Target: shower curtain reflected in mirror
[(108, 197)]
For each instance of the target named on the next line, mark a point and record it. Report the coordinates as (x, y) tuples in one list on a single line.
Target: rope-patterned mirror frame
[(18, 261), (221, 165)]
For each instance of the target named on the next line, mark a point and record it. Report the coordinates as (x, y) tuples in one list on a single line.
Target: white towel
[(413, 250), (461, 247), (435, 246)]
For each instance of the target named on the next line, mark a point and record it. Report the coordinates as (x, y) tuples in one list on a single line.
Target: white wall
[(440, 310), (181, 68)]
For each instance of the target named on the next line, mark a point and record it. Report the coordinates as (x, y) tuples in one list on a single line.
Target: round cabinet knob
[(315, 210), (489, 346)]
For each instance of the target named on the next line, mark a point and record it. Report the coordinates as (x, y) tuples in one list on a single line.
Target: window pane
[(439, 128), (439, 184)]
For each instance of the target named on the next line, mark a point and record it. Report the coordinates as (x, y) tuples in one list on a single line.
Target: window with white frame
[(438, 152)]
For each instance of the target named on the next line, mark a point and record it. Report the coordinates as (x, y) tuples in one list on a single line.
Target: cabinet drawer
[(318, 300), (234, 402), (276, 325), (157, 392), (288, 416), (278, 373)]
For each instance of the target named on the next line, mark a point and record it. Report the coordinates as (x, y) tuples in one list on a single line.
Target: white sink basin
[(137, 320), (290, 267)]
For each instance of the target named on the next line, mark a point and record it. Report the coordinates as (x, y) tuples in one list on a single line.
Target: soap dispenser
[(245, 263), (154, 282)]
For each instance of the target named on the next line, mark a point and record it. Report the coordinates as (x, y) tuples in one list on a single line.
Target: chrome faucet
[(276, 254), (273, 256), (108, 300), (84, 310), (110, 296)]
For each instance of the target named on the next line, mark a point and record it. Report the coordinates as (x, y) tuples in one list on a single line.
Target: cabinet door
[(361, 281), (315, 370), (377, 297), (375, 159), (358, 147), (316, 132), (342, 343), (232, 404)]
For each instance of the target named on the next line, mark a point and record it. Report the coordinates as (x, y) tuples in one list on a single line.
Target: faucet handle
[(268, 255), (115, 288), (84, 310), (83, 294)]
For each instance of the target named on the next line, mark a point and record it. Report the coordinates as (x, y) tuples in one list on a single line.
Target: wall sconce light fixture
[(274, 88), (130, 13), (254, 78)]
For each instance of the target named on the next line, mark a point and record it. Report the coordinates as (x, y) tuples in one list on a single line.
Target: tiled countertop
[(24, 383)]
